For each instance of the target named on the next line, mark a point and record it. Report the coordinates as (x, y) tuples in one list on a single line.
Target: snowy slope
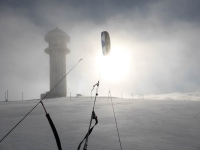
[(193, 96), (143, 124)]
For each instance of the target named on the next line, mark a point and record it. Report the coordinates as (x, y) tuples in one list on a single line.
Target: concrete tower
[(57, 51)]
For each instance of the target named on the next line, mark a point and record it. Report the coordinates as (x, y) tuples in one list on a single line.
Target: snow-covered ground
[(143, 124), (193, 96)]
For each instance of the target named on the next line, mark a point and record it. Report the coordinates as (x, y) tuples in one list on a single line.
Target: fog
[(160, 37)]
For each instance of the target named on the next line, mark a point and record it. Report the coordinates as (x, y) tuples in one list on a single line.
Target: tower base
[(52, 95)]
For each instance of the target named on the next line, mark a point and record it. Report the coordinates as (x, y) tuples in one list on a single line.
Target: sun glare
[(115, 66)]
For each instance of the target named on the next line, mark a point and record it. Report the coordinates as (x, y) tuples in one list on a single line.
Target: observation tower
[(57, 51)]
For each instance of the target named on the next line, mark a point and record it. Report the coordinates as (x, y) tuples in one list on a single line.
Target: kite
[(105, 42)]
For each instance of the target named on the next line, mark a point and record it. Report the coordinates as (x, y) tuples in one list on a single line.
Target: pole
[(22, 96), (70, 96), (7, 95)]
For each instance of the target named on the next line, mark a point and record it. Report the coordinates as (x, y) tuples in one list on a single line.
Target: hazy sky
[(155, 41)]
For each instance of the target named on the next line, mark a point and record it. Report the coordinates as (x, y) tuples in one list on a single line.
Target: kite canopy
[(105, 42)]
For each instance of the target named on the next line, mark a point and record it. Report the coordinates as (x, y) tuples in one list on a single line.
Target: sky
[(155, 46)]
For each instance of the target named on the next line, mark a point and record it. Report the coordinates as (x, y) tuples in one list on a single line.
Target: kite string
[(115, 120), (109, 89), (45, 96), (19, 122), (109, 94), (113, 111)]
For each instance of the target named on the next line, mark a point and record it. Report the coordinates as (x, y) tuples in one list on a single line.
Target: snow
[(193, 96), (143, 124)]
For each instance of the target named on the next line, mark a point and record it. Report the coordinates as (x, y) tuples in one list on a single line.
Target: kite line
[(110, 96), (115, 119), (45, 96)]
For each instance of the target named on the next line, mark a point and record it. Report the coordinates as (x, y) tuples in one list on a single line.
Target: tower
[(57, 51)]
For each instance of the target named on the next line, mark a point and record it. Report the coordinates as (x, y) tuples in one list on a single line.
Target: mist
[(161, 38)]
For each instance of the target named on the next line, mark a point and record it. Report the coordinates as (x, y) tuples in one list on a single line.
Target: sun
[(115, 66)]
